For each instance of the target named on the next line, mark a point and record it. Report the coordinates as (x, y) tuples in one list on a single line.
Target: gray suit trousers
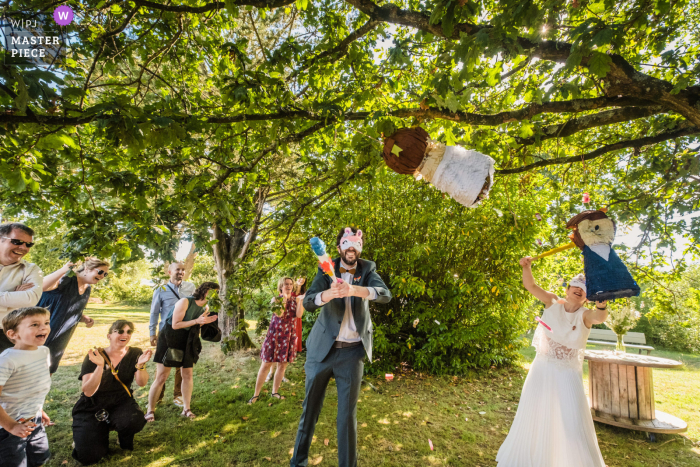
[(346, 366)]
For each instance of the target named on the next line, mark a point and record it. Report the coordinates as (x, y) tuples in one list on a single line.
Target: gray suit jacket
[(327, 325)]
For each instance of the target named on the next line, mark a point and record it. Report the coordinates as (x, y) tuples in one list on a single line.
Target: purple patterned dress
[(280, 342)]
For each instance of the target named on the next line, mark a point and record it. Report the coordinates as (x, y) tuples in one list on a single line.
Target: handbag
[(173, 357), (210, 332)]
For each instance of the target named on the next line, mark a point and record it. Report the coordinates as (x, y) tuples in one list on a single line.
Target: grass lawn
[(466, 418)]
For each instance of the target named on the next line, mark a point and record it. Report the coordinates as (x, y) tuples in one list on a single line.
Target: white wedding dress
[(553, 426)]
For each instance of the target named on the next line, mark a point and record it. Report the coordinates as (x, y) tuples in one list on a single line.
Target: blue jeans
[(31, 451)]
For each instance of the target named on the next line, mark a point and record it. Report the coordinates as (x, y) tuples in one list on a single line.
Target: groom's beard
[(344, 257)]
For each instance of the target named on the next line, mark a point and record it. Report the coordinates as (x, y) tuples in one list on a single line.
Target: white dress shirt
[(16, 274), (348, 330)]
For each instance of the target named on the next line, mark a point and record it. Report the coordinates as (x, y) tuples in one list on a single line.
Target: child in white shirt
[(25, 381)]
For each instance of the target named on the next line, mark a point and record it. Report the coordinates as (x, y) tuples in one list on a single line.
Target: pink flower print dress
[(281, 339)]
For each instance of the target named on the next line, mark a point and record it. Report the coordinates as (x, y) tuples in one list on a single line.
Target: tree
[(172, 118)]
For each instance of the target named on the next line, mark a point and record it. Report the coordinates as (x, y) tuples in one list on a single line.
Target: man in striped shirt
[(25, 381)]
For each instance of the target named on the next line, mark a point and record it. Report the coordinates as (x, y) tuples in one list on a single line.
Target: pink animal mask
[(351, 240)]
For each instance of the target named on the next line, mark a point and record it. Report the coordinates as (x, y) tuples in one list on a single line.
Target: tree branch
[(622, 79), (213, 5), (574, 105), (634, 143), (608, 117), (341, 48), (126, 22)]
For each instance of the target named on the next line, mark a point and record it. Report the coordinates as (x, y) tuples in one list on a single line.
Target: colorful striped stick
[(324, 261), (537, 318)]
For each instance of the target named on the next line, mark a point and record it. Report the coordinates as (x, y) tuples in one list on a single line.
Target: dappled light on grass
[(104, 315), (395, 421)]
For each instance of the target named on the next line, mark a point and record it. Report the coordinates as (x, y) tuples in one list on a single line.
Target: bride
[(553, 426)]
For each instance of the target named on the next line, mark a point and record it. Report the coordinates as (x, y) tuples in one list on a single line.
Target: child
[(24, 383)]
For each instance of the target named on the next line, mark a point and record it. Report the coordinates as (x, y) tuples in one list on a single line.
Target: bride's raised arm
[(531, 286)]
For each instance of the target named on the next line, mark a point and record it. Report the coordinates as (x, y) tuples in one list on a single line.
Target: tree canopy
[(233, 122)]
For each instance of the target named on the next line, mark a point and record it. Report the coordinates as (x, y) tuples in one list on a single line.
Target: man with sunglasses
[(20, 281)]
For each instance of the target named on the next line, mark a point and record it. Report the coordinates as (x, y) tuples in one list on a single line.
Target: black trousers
[(347, 366), (91, 436)]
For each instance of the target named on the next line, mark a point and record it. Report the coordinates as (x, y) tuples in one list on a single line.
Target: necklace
[(573, 328)]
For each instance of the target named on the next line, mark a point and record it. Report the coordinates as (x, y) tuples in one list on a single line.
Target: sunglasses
[(100, 272), (122, 331), (14, 241)]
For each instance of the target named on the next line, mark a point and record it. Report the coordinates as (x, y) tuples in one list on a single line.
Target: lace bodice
[(553, 351)]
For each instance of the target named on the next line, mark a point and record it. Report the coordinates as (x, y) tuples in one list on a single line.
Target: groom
[(337, 344)]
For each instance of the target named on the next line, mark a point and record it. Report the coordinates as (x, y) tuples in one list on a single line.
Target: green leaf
[(526, 129), (452, 103), (602, 38), (395, 150), (599, 64)]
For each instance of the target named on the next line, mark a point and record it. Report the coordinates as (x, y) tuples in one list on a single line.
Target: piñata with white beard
[(465, 175)]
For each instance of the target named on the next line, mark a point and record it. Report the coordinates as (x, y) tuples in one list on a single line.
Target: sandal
[(150, 417), (188, 413), (253, 400), (277, 395)]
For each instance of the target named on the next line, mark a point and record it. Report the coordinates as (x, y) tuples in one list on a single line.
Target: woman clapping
[(107, 402)]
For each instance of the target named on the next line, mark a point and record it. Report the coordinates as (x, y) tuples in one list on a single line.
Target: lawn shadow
[(465, 418)]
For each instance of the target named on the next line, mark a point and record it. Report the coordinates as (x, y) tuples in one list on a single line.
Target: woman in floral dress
[(280, 343)]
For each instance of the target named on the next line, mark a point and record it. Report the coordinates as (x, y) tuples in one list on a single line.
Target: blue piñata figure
[(607, 278)]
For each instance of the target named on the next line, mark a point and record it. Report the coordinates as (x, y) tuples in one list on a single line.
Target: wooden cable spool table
[(621, 392)]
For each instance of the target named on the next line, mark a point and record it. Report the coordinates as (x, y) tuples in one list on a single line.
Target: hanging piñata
[(607, 277), (465, 175)]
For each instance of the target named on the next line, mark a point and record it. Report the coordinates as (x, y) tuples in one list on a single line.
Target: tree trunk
[(231, 317), (189, 262), (229, 250)]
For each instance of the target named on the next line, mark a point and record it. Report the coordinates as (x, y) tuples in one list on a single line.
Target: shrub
[(129, 286), (454, 269)]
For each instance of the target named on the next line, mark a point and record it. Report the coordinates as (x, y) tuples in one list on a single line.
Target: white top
[(348, 330), (16, 274), (566, 342), (25, 381)]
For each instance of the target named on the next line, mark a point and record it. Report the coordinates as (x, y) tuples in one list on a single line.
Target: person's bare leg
[(279, 374), (187, 387), (260, 381), (162, 373), (270, 374)]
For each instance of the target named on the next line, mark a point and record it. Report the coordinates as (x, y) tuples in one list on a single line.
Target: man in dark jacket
[(337, 344)]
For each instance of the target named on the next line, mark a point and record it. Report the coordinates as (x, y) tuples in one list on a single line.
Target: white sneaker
[(178, 401), (285, 380), (269, 377)]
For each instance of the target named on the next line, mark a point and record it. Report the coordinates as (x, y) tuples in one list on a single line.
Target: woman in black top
[(107, 402), (66, 298)]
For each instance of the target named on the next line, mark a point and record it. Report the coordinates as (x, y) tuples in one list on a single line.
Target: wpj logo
[(63, 15), (33, 39)]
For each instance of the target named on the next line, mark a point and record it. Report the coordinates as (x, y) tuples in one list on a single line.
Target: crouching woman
[(107, 402)]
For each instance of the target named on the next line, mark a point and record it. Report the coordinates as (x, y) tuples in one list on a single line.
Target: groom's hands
[(333, 292), (343, 289)]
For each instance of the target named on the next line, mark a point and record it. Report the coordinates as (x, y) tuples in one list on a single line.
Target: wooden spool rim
[(608, 356)]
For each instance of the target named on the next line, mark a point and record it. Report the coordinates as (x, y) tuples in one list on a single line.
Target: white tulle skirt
[(553, 426)]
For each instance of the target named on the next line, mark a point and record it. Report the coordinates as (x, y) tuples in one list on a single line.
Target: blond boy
[(25, 381)]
